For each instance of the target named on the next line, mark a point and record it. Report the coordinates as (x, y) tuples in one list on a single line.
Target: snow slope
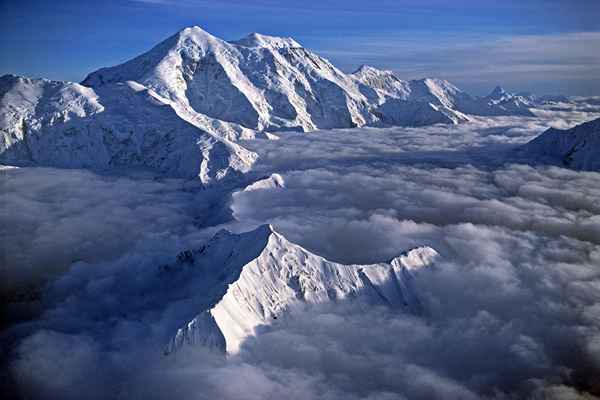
[(252, 278), (119, 125), (575, 148)]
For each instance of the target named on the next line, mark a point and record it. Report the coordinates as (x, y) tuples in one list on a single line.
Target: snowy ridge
[(255, 290), (66, 124), (575, 148)]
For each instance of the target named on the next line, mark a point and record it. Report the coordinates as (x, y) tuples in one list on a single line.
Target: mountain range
[(181, 107)]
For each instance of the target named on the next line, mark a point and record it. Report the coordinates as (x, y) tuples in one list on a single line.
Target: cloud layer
[(512, 311), (57, 217)]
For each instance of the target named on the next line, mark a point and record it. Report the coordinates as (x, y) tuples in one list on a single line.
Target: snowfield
[(400, 239)]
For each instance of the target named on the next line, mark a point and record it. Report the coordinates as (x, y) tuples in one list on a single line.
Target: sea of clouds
[(511, 311)]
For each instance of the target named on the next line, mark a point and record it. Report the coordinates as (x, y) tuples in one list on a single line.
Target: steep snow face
[(260, 82), (575, 148), (123, 124), (260, 275)]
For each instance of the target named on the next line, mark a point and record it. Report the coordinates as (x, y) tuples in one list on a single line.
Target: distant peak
[(197, 34), (434, 81), (498, 92), (192, 29), (259, 40), (365, 67), (368, 69)]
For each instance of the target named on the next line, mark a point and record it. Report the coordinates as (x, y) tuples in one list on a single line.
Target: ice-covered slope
[(123, 124), (577, 148), (250, 279)]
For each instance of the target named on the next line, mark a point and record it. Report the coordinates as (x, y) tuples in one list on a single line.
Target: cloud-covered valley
[(511, 311)]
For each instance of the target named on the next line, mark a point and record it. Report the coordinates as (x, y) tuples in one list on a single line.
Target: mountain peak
[(259, 40), (194, 31), (365, 69), (498, 92), (197, 35), (253, 278)]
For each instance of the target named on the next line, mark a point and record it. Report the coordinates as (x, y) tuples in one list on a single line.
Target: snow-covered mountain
[(520, 103), (512, 104), (396, 96), (180, 107), (268, 83), (119, 125), (259, 82), (247, 280), (576, 148)]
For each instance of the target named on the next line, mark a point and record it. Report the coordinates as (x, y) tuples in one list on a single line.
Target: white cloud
[(512, 311)]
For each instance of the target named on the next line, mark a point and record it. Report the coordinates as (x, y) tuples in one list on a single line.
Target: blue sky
[(547, 46)]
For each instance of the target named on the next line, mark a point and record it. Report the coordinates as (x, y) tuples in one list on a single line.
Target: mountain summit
[(250, 279), (257, 40)]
